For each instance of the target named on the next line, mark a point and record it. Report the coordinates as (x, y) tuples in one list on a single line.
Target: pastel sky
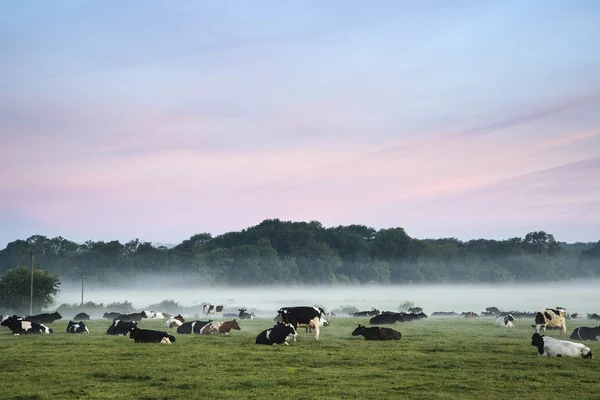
[(467, 119)]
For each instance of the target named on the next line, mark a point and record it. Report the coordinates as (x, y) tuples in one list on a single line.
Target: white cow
[(550, 347), (506, 321)]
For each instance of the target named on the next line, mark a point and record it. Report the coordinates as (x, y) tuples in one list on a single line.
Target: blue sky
[(448, 118)]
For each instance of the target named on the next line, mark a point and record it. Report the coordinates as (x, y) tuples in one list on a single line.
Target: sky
[(467, 119)]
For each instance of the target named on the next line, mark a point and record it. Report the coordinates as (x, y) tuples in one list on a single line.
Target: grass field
[(437, 358)]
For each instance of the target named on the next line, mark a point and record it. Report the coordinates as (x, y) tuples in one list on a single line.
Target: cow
[(243, 315), (226, 327), (585, 333), (135, 317), (469, 314), (550, 347), (444, 314), (550, 317), (192, 327), (112, 315), (77, 327), (20, 326), (302, 315), (594, 317), (44, 318), (122, 328), (81, 317), (175, 321), (371, 313), (386, 319), (212, 328), (211, 309), (415, 310), (150, 336), (407, 317), (377, 333), (279, 334), (156, 315), (505, 322)]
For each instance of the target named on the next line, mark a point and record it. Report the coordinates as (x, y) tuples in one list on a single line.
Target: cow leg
[(315, 322)]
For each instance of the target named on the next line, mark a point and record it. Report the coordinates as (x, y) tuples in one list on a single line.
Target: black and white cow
[(122, 328), (112, 315), (278, 334), (549, 317), (77, 327), (44, 318), (243, 315), (585, 333), (82, 317), (505, 322), (192, 327), (550, 347), (313, 317), (377, 333), (211, 309), (19, 326), (386, 319), (150, 336), (156, 315), (135, 317)]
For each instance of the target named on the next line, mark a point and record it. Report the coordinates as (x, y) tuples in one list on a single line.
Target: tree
[(540, 241), (15, 290)]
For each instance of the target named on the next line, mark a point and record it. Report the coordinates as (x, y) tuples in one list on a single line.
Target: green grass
[(437, 358)]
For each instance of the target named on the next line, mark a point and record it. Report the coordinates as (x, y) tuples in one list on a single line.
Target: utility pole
[(31, 291), (81, 287)]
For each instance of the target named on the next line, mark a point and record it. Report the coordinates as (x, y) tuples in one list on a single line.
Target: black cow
[(77, 327), (82, 317), (594, 316), (135, 317), (444, 314), (407, 317), (278, 334), (150, 336), (585, 333), (244, 315), (111, 315), (371, 313), (119, 327), (377, 333), (313, 317), (192, 327), (44, 318), (384, 319), (19, 326)]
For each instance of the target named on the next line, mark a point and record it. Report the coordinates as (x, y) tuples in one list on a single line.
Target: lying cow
[(278, 334), (122, 328), (44, 318), (135, 317), (156, 315), (175, 321), (81, 317), (243, 315), (303, 315), (19, 326), (77, 327), (547, 317), (585, 333), (192, 327), (505, 322), (112, 315), (377, 333), (386, 319), (371, 313), (550, 347), (150, 336)]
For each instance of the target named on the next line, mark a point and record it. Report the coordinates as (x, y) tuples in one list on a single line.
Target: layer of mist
[(580, 297)]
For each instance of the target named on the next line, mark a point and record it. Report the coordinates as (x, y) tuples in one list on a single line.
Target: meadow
[(437, 358)]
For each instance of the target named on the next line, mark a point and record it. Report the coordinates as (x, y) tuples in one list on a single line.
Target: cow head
[(509, 318), (56, 315), (358, 331), (537, 340)]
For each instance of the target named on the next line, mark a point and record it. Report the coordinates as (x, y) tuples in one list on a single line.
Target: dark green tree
[(15, 289)]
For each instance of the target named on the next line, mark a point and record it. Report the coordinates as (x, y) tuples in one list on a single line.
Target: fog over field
[(581, 297)]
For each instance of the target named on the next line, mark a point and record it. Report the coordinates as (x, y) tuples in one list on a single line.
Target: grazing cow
[(377, 333), (386, 319), (212, 328), (122, 328), (175, 321), (226, 327), (82, 317), (585, 333), (77, 327), (192, 327), (594, 316), (211, 309), (112, 315), (156, 315), (371, 313), (505, 322), (547, 317), (150, 336), (278, 334), (135, 317), (19, 326), (550, 347), (44, 318), (303, 315), (244, 315)]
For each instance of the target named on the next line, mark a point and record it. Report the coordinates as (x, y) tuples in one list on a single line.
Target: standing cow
[(212, 309), (551, 317), (314, 317)]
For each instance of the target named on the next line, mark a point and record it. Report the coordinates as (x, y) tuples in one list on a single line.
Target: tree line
[(275, 252)]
